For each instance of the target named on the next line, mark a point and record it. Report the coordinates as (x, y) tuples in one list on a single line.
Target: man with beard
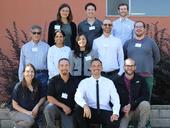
[(123, 26), (134, 96), (60, 95), (110, 51), (144, 51)]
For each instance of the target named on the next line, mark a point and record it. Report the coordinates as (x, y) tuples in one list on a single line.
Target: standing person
[(110, 51), (35, 52), (63, 22), (27, 98), (123, 26), (91, 26), (82, 57), (93, 97), (60, 95), (144, 51), (134, 96), (56, 52)]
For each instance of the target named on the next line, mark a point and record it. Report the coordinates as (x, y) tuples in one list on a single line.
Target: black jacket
[(51, 32), (138, 93)]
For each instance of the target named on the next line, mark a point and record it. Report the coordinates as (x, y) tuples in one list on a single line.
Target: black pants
[(113, 75), (97, 117)]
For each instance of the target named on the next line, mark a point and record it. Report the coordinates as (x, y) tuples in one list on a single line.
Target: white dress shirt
[(54, 55), (86, 94), (110, 51)]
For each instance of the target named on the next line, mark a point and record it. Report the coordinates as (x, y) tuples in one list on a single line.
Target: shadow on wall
[(9, 65)]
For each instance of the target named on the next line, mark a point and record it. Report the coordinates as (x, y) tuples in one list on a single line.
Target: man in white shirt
[(94, 103), (109, 50)]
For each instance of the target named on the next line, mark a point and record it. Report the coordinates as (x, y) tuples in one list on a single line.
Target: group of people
[(104, 75)]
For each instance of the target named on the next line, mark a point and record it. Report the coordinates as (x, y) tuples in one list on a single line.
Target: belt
[(111, 72), (42, 71)]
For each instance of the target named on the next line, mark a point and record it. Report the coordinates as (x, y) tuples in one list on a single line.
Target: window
[(141, 7)]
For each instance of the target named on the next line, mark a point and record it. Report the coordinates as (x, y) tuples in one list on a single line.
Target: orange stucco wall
[(28, 12)]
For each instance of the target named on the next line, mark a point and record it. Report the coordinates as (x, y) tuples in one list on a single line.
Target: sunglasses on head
[(38, 33), (107, 25)]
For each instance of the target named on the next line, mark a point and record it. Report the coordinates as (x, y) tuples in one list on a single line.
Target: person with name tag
[(144, 51), (63, 22), (35, 52), (91, 26), (60, 95), (56, 52), (109, 50), (134, 96), (81, 59), (123, 26), (93, 96)]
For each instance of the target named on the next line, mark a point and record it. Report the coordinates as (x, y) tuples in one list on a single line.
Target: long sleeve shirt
[(54, 54), (86, 94), (123, 29), (110, 51), (34, 53)]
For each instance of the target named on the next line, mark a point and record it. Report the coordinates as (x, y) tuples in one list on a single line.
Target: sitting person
[(93, 98), (134, 96), (60, 95), (27, 98)]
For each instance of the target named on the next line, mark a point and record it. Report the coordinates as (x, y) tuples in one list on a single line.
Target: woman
[(27, 98), (63, 22), (82, 57), (57, 52)]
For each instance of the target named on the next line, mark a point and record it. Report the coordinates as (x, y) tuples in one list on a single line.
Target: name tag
[(138, 45), (35, 49), (88, 58), (64, 96), (57, 27), (106, 45), (92, 28)]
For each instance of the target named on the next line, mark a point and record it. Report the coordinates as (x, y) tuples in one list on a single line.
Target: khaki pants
[(141, 113)]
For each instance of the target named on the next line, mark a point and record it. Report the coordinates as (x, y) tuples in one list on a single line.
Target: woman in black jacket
[(63, 22)]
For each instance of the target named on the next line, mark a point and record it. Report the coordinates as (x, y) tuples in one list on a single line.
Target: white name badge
[(92, 28), (138, 45), (57, 27), (35, 49), (64, 95), (88, 58)]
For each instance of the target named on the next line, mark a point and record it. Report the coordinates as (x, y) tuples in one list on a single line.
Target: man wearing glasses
[(134, 96), (35, 52), (144, 51), (110, 51)]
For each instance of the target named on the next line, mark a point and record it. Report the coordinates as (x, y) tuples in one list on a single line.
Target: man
[(93, 97), (35, 52), (91, 26), (134, 96), (60, 95), (123, 26), (110, 51), (144, 51)]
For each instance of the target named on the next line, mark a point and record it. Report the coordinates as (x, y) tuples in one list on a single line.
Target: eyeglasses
[(38, 33), (107, 25)]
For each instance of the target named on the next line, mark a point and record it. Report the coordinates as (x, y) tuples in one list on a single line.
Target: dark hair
[(96, 59), (63, 59), (123, 4), (70, 16), (139, 21), (90, 4), (35, 83), (60, 31), (77, 47)]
